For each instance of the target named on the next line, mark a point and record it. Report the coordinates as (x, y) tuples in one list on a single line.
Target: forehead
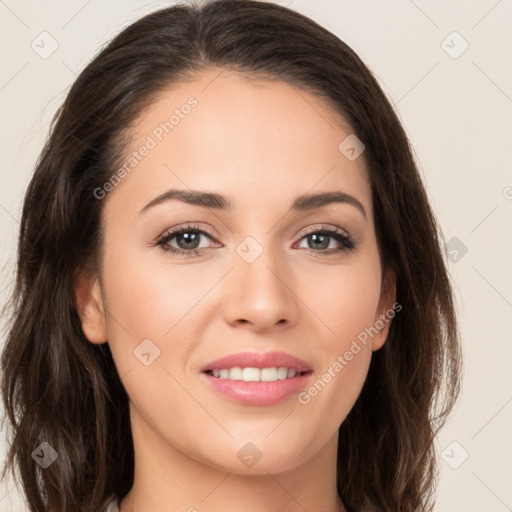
[(254, 140)]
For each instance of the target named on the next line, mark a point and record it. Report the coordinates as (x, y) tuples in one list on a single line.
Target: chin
[(258, 457)]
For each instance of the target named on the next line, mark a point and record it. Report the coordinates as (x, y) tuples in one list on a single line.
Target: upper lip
[(258, 360)]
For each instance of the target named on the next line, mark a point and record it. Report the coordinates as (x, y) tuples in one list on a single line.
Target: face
[(265, 275)]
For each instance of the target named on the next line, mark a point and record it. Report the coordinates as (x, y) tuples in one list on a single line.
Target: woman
[(231, 291)]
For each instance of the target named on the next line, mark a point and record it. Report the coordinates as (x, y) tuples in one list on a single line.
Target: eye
[(188, 239), (319, 241)]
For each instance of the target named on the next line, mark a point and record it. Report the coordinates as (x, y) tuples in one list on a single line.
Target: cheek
[(344, 308), (345, 301), (149, 300), (156, 302), (346, 355), (147, 319)]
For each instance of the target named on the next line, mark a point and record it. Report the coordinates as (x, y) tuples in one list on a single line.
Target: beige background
[(457, 110)]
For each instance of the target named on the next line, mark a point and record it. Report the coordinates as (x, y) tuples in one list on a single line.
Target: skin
[(262, 144)]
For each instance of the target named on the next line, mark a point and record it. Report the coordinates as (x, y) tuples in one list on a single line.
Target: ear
[(386, 309), (89, 304)]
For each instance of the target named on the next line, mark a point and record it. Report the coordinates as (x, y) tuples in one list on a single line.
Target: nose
[(260, 294)]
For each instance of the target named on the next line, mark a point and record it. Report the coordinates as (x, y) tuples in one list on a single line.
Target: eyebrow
[(218, 202)]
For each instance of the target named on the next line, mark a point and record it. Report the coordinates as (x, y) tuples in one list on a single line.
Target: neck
[(166, 480)]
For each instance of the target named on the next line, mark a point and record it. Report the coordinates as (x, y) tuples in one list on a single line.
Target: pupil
[(190, 238), (324, 244)]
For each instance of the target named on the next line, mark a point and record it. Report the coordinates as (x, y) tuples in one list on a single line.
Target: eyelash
[(346, 241)]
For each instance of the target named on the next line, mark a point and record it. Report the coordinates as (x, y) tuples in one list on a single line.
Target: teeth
[(235, 373), (251, 375), (256, 374), (282, 373)]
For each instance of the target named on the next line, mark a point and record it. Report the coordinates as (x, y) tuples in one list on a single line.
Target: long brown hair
[(59, 388)]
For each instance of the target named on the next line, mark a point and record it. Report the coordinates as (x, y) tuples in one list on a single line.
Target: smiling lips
[(257, 379)]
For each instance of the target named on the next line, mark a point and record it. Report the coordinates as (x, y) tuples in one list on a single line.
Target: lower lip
[(257, 393)]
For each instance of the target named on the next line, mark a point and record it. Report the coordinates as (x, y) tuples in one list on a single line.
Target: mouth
[(257, 379)]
